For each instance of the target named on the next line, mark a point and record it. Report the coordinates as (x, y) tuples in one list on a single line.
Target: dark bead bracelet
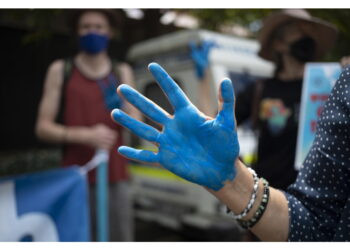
[(261, 209)]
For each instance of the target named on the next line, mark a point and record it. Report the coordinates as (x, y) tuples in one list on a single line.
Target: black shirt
[(277, 121)]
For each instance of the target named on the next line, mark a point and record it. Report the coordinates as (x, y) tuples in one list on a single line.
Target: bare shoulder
[(52, 91), (56, 66), (55, 73)]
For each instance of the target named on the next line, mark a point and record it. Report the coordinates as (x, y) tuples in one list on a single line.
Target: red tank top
[(84, 106)]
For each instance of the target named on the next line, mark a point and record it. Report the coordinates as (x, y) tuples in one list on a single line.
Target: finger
[(111, 135), (110, 140), (137, 154), (107, 146), (226, 104), (176, 96), (107, 141), (139, 128), (146, 106)]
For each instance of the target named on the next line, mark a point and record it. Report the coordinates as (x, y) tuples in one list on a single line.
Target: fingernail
[(115, 112), (151, 65)]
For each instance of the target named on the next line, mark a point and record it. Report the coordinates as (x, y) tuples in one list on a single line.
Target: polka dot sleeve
[(317, 199)]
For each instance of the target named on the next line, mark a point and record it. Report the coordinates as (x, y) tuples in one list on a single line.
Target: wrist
[(79, 135), (85, 136), (236, 193)]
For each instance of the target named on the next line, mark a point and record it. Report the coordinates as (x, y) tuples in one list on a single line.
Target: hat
[(322, 32)]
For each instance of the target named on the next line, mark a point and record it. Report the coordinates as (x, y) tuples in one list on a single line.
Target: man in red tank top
[(89, 95)]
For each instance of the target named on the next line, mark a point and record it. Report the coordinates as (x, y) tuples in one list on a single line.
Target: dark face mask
[(93, 43), (303, 49)]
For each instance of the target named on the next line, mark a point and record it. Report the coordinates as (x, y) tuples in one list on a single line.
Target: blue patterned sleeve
[(320, 192)]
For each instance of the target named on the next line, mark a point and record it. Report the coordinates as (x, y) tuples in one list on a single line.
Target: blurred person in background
[(75, 112), (289, 38)]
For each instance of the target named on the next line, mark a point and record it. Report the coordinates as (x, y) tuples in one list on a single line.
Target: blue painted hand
[(200, 56), (197, 148)]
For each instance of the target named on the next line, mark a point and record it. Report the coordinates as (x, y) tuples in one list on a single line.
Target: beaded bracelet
[(260, 211), (251, 201)]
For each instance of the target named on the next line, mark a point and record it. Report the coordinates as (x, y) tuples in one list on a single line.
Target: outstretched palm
[(193, 147)]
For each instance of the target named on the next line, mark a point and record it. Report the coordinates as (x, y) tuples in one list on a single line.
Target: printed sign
[(319, 79), (45, 206)]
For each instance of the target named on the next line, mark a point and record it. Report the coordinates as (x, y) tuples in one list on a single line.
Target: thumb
[(226, 104)]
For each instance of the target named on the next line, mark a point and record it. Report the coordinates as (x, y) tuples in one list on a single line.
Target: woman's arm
[(274, 224), (319, 195), (204, 151), (317, 198)]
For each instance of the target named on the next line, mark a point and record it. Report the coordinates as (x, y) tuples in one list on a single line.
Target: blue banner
[(45, 206)]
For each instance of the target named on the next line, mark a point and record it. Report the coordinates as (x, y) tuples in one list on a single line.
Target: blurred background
[(32, 38)]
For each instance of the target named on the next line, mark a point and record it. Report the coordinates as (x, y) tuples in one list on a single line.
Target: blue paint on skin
[(140, 155), (198, 150), (140, 129), (200, 56), (145, 105)]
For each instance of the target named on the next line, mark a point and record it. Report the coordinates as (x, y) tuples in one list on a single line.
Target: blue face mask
[(93, 43)]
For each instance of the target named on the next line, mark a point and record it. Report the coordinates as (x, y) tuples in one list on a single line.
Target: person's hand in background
[(101, 137), (191, 145), (200, 56)]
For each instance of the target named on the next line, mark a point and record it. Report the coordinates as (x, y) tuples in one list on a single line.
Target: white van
[(160, 195)]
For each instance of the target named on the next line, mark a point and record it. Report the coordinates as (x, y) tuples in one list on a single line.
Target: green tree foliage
[(213, 19), (40, 23)]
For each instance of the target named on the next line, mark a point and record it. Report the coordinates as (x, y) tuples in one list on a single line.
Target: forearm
[(274, 224), (57, 133)]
